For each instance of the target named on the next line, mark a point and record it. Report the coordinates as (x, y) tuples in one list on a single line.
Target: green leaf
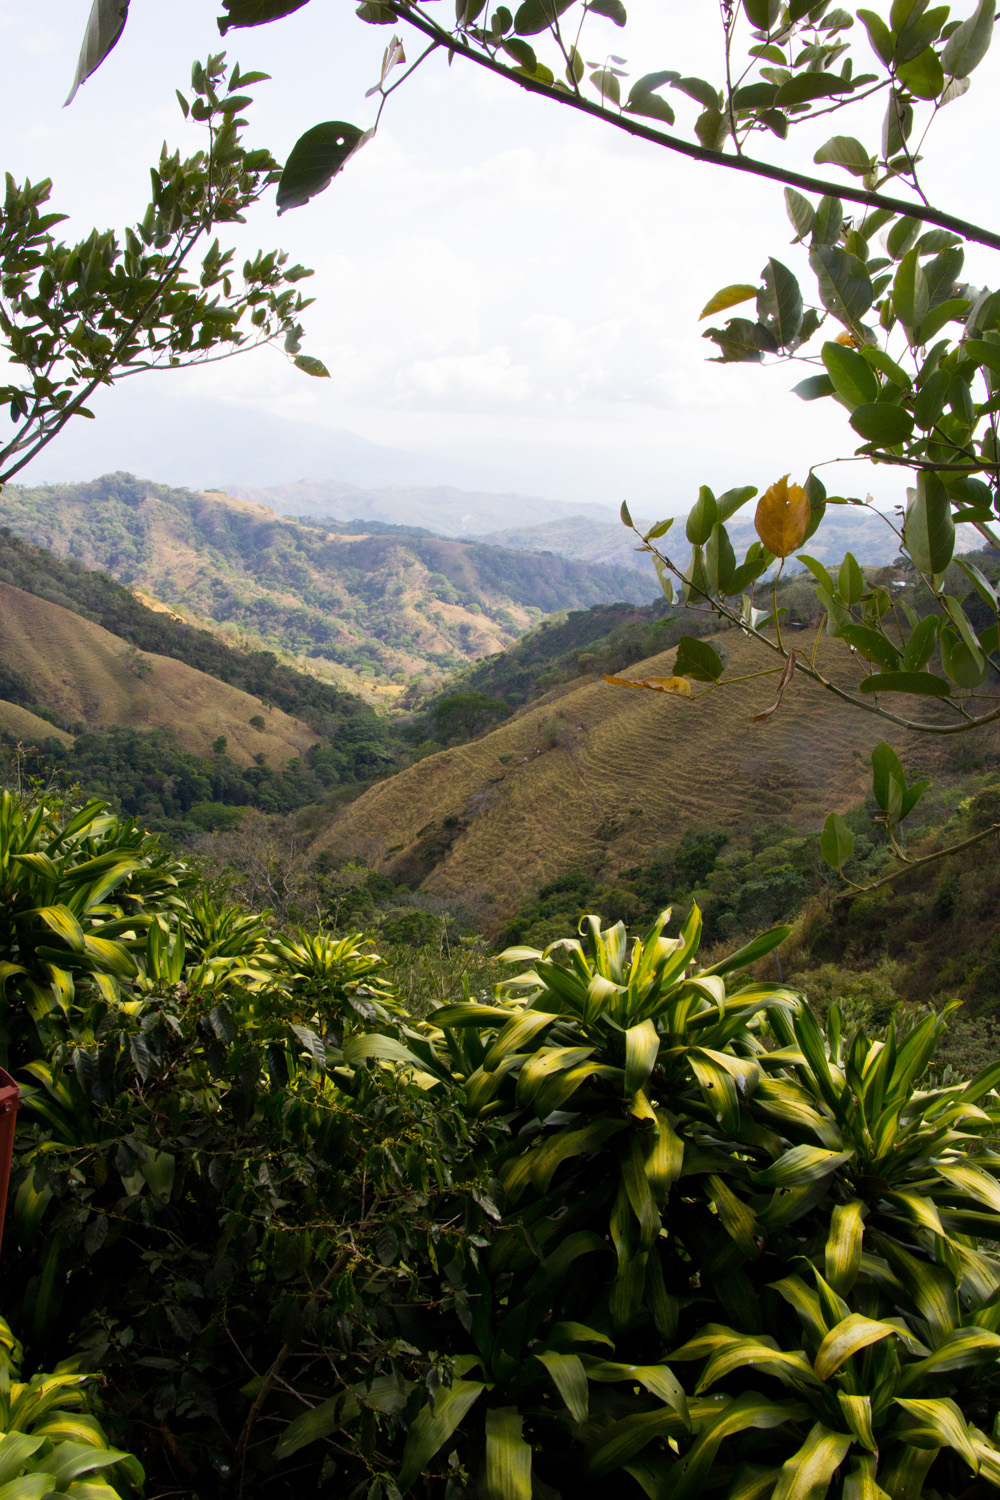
[(759, 947), (704, 515), (433, 1426), (698, 659), (105, 25), (985, 354), (255, 12), (849, 1336), (315, 160), (570, 1380), (969, 44), (871, 644), (537, 15), (910, 298), (807, 1474), (842, 1253), (805, 86), (779, 303), (508, 1455), (929, 529), (852, 376), (925, 684), (836, 843), (311, 365), (642, 1046), (878, 34), (801, 213), (923, 75), (733, 499), (813, 388), (845, 151), (802, 1165), (920, 647), (944, 1420), (845, 287), (880, 422)]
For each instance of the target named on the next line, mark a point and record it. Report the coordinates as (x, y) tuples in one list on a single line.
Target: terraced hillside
[(91, 677), (599, 777)]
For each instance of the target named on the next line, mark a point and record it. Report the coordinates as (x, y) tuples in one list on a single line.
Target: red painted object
[(9, 1095)]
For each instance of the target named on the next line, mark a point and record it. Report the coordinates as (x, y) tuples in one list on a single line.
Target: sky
[(495, 277)]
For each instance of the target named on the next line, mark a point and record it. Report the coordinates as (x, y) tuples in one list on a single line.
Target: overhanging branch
[(925, 213)]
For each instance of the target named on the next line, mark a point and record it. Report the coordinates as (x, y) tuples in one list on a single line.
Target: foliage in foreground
[(628, 1222)]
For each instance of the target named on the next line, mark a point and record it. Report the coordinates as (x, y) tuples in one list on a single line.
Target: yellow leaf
[(678, 685), (783, 517), (728, 297), (847, 339)]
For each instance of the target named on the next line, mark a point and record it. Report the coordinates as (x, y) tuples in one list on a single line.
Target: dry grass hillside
[(24, 725), (598, 777), (87, 674)]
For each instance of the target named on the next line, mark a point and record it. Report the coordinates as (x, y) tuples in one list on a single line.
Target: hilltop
[(598, 778), (372, 609)]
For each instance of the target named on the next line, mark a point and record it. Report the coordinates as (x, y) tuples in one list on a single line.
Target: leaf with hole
[(315, 160)]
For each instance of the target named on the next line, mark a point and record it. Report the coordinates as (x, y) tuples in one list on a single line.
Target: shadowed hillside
[(599, 777), (91, 677)]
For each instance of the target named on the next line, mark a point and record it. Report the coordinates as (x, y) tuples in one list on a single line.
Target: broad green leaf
[(704, 515), (836, 843), (537, 15), (929, 530), (698, 659), (969, 44), (570, 1379), (310, 365), (850, 1336), (384, 1394), (945, 1420), (923, 75), (733, 499), (255, 12), (62, 922), (759, 947), (842, 1253), (925, 684), (871, 644), (880, 422), (852, 376), (642, 1046), (508, 1454), (315, 160), (886, 768), (845, 286), (801, 213), (910, 297), (857, 1412), (807, 1474), (105, 25), (878, 34), (801, 1165), (813, 387), (779, 303), (845, 151), (433, 1426)]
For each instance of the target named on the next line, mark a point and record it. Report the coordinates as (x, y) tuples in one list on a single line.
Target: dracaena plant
[(699, 1176)]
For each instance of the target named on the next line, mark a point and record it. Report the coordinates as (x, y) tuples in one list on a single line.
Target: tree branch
[(810, 184)]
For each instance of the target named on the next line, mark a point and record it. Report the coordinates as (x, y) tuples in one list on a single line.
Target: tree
[(919, 380), (76, 317)]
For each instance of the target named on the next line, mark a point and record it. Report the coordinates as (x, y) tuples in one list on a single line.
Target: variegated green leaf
[(850, 1336)]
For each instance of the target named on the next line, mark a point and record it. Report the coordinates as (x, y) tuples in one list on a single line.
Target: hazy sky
[(493, 274)]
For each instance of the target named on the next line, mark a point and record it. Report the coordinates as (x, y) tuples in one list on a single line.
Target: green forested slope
[(375, 607)]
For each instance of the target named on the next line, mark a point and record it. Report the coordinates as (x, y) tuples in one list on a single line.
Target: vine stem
[(915, 864), (412, 17)]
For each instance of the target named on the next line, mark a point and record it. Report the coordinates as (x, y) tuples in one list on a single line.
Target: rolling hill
[(599, 778), (92, 678), (369, 609)]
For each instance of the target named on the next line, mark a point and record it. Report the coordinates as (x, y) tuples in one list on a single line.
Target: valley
[(375, 609)]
